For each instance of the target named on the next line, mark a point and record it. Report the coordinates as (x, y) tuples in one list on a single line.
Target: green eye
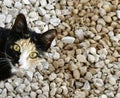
[(16, 47), (33, 55)]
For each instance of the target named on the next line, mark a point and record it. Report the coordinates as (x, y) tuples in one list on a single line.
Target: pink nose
[(19, 65)]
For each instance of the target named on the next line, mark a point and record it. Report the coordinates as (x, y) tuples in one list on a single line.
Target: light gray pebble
[(4, 93), (41, 96), (86, 86), (18, 81), (68, 39), (53, 91), (55, 55), (43, 3), (65, 12), (2, 17), (118, 14), (52, 76), (13, 12), (18, 5), (33, 95), (81, 58), (98, 82), (55, 21), (20, 88), (29, 75), (28, 88), (9, 97), (103, 96), (26, 2), (49, 7), (34, 86), (41, 11), (2, 85), (91, 58), (8, 18), (9, 87), (32, 1), (8, 3), (80, 34)]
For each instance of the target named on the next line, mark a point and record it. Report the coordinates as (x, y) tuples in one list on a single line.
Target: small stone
[(29, 75), (76, 74), (81, 58), (45, 64), (4, 93), (117, 95), (17, 81), (53, 91), (43, 3), (92, 50), (88, 76), (99, 28), (52, 76), (55, 55), (18, 5), (112, 80), (13, 12), (33, 95), (2, 18), (100, 64), (107, 7), (65, 90), (55, 21), (32, 1), (86, 86), (84, 1), (2, 84), (98, 82), (8, 18), (49, 7), (8, 3), (118, 14), (28, 88), (41, 11), (34, 86), (107, 19), (103, 96), (41, 96), (65, 12), (79, 33), (26, 2), (68, 39), (20, 88), (9, 87), (91, 58), (102, 12)]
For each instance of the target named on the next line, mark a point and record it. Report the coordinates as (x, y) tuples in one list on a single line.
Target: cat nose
[(19, 65)]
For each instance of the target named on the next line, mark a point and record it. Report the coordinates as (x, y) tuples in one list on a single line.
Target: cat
[(21, 47)]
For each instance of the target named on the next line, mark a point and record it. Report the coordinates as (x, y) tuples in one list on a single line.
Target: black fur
[(19, 31)]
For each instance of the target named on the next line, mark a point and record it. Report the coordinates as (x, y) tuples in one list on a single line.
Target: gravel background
[(84, 59)]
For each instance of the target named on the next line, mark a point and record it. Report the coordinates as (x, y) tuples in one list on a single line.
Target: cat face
[(24, 47)]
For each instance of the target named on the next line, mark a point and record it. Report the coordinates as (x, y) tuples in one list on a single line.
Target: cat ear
[(44, 40), (20, 25)]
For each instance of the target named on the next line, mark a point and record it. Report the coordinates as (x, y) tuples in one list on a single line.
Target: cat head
[(25, 47)]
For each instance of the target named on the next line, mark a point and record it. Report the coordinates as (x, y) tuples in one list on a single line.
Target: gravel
[(84, 58)]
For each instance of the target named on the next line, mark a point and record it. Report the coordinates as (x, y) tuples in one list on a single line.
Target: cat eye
[(16, 47), (33, 55)]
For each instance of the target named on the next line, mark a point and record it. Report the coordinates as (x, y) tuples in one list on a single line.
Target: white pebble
[(8, 3), (118, 14), (52, 76), (33, 95), (17, 81), (34, 86), (8, 18), (20, 88), (9, 87), (65, 12), (112, 80), (32, 1), (45, 64), (86, 86), (68, 39), (81, 58), (117, 95), (49, 7), (65, 90), (29, 75), (2, 17), (55, 55), (41, 11), (103, 96), (13, 12), (55, 21), (98, 82), (18, 5), (91, 58), (92, 50), (2, 84), (26, 2), (43, 3), (79, 33), (53, 91), (4, 93)]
